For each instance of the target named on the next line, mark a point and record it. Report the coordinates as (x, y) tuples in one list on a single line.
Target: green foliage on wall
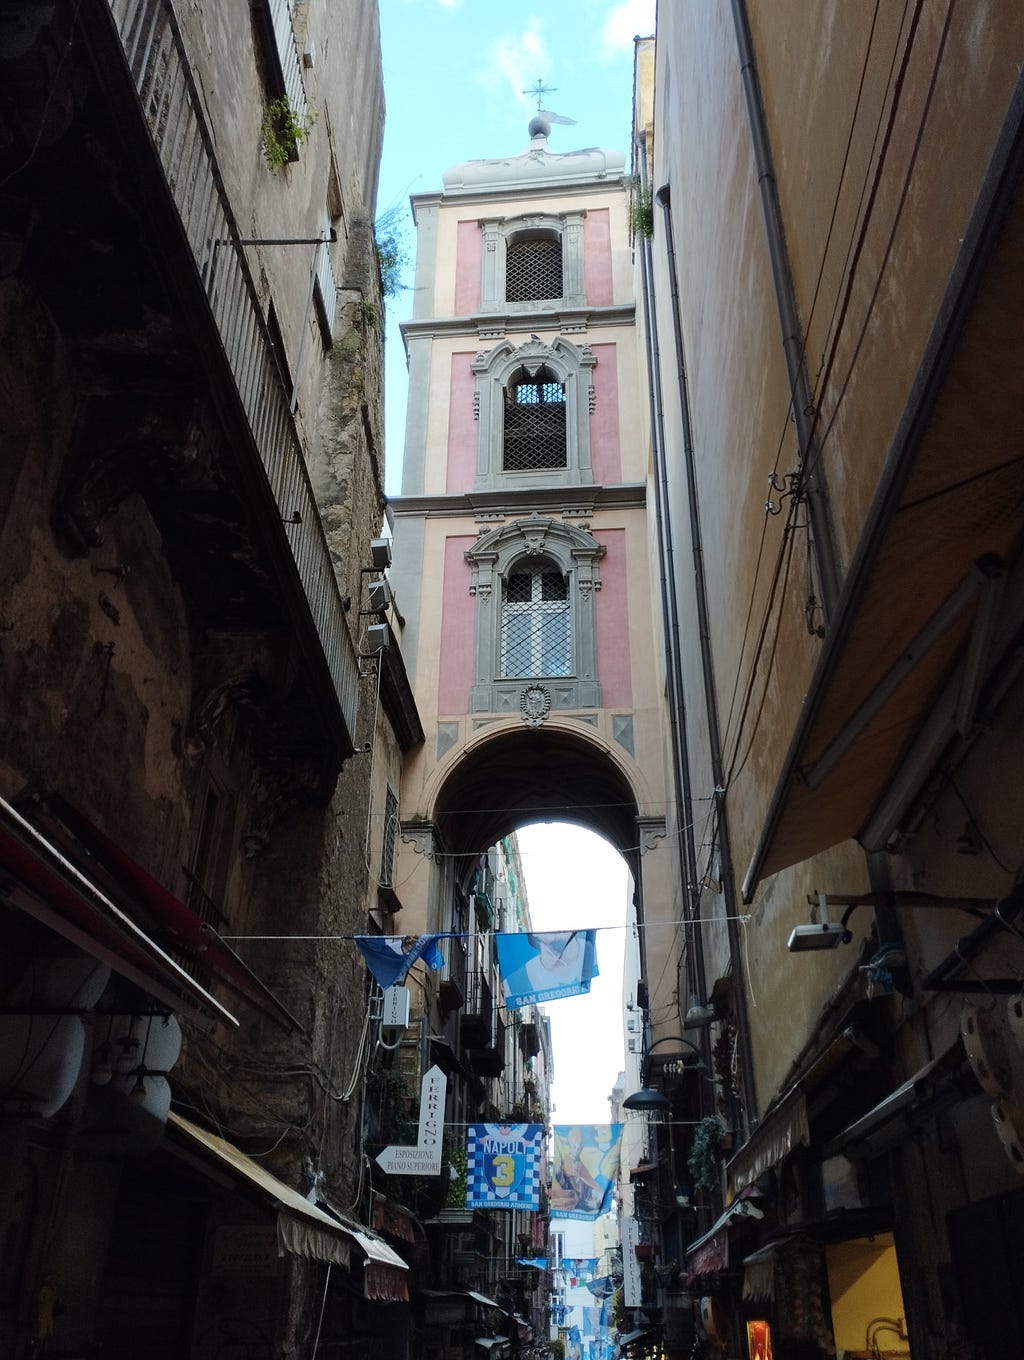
[(458, 1161), (392, 252), (704, 1154), (283, 131)]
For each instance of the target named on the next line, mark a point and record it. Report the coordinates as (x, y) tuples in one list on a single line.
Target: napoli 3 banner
[(546, 965), (585, 1168), (503, 1166)]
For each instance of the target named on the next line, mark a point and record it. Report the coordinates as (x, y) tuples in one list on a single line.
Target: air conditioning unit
[(380, 553), (377, 638), (379, 593), (635, 1045)]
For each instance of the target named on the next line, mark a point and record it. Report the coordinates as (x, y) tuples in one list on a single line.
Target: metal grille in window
[(534, 435), (387, 854), (533, 269), (536, 631)]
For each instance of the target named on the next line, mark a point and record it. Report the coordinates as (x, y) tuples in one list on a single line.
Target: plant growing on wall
[(392, 254), (641, 210), (458, 1164), (704, 1154), (284, 129)]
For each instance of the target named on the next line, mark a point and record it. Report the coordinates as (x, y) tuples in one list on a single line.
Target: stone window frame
[(498, 232), (494, 370), (492, 559)]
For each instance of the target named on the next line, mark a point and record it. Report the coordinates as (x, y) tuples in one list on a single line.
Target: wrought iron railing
[(170, 105)]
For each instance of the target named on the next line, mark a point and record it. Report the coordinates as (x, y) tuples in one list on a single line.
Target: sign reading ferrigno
[(425, 1158)]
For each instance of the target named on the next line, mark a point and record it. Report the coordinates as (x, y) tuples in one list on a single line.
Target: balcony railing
[(170, 105), (478, 1012)]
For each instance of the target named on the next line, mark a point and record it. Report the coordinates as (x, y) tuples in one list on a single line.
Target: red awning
[(179, 927), (39, 880)]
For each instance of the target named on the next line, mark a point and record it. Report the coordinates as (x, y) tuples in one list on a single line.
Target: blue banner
[(546, 965), (585, 1167), (503, 1166), (389, 957)]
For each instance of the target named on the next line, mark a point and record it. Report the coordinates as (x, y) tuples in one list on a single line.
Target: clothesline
[(469, 934)]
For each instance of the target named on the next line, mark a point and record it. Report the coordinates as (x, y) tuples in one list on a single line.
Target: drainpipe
[(707, 668), (696, 978), (815, 485)]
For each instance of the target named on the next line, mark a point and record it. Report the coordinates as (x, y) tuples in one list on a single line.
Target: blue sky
[(454, 76)]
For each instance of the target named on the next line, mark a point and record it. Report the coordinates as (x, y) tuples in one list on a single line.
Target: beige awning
[(781, 1130), (303, 1229), (914, 604)]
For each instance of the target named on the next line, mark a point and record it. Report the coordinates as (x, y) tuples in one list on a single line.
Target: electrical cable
[(897, 218)]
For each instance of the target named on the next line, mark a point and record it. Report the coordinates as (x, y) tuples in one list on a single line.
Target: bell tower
[(522, 565)]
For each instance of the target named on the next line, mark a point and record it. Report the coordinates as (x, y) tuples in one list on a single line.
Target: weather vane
[(538, 91)]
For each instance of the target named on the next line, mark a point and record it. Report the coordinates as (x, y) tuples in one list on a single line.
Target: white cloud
[(517, 61), (624, 22)]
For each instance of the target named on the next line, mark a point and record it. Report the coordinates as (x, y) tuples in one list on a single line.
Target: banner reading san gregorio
[(585, 1168), (503, 1166), (546, 965)]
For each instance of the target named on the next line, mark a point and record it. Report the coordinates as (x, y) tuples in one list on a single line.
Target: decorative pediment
[(571, 546), (532, 355)]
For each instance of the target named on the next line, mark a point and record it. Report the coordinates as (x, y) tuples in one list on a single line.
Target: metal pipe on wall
[(707, 669), (825, 557)]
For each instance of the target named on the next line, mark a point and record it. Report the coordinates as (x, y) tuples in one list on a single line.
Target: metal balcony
[(171, 109)]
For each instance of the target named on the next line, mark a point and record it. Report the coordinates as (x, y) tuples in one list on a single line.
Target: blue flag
[(585, 1165), (503, 1166), (546, 965), (389, 957)]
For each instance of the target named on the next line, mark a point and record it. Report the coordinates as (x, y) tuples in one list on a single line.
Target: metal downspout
[(670, 613), (707, 668), (792, 333)]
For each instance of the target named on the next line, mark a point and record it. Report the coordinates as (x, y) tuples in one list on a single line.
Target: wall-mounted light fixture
[(648, 1100), (699, 1015), (819, 934), (825, 934)]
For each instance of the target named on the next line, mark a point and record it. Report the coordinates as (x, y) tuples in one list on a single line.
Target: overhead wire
[(785, 547), (896, 220)]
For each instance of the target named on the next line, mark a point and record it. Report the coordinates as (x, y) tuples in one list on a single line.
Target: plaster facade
[(835, 242)]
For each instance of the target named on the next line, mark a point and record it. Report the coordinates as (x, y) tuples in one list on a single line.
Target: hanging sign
[(425, 1158)]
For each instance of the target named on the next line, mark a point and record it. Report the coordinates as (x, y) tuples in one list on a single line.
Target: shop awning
[(395, 1220), (482, 1298), (385, 1274), (933, 1088), (303, 1229), (493, 1345), (710, 1252), (781, 1130), (37, 878), (759, 1274), (919, 627)]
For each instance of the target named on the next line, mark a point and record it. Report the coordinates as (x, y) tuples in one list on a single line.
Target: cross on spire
[(539, 90)]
